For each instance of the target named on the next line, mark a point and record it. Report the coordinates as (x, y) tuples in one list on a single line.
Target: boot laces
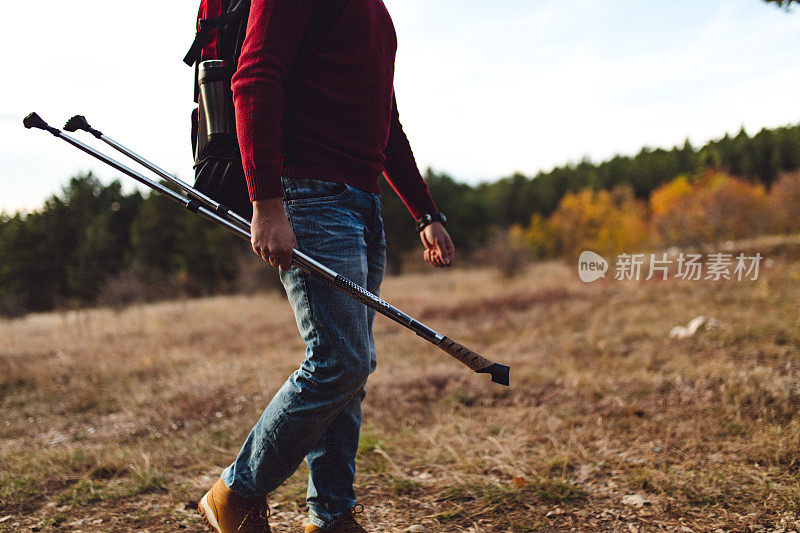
[(351, 519), (258, 515)]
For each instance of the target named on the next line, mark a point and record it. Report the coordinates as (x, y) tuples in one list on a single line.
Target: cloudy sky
[(485, 87)]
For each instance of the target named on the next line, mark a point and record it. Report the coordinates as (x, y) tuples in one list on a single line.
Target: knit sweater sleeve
[(275, 31), (401, 170)]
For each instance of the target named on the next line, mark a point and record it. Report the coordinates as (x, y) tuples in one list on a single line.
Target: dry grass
[(120, 420)]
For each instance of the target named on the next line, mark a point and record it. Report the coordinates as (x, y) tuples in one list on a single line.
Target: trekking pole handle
[(476, 362), (79, 122), (35, 121)]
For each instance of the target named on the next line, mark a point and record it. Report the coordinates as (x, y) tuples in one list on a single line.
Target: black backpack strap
[(325, 17), (206, 25)]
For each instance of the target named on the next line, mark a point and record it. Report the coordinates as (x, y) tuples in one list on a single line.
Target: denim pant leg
[(331, 462), (330, 222)]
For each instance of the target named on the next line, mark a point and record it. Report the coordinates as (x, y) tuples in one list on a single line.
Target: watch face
[(427, 218)]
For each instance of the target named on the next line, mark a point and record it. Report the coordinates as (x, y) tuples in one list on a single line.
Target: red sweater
[(322, 108)]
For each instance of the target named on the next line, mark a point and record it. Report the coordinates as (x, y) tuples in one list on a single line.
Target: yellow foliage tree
[(538, 236), (710, 209), (601, 221)]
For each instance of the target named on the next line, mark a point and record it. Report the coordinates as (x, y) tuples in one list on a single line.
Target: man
[(317, 124)]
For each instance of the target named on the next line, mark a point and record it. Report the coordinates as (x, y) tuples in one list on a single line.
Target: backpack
[(221, 27)]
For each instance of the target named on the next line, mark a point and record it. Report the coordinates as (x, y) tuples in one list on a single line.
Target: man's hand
[(271, 234), (439, 249)]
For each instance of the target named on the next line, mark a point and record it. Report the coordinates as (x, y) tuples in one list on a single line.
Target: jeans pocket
[(310, 191)]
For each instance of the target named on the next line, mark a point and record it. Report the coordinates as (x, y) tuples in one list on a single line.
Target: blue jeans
[(316, 414)]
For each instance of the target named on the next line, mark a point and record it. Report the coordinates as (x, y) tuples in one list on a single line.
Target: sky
[(485, 88)]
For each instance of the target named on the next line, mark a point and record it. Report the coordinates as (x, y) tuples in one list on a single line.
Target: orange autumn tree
[(784, 203), (672, 220), (708, 210)]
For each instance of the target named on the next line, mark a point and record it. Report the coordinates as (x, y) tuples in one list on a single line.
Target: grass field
[(119, 420)]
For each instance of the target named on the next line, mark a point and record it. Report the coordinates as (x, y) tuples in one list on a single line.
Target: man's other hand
[(439, 249), (271, 234)]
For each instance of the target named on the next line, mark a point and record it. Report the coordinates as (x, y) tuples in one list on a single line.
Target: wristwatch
[(428, 218)]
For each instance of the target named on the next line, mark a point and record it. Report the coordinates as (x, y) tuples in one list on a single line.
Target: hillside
[(120, 420)]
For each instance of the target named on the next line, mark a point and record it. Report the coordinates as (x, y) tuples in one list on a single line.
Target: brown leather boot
[(224, 511), (347, 524)]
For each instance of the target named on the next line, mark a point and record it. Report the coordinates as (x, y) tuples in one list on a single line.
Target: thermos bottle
[(215, 114)]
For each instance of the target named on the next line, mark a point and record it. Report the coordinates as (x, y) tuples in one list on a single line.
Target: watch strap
[(429, 218)]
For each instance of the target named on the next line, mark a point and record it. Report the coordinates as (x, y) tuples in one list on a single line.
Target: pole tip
[(499, 373)]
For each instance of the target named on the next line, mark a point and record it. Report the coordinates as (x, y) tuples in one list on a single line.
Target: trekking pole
[(79, 122), (207, 208)]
